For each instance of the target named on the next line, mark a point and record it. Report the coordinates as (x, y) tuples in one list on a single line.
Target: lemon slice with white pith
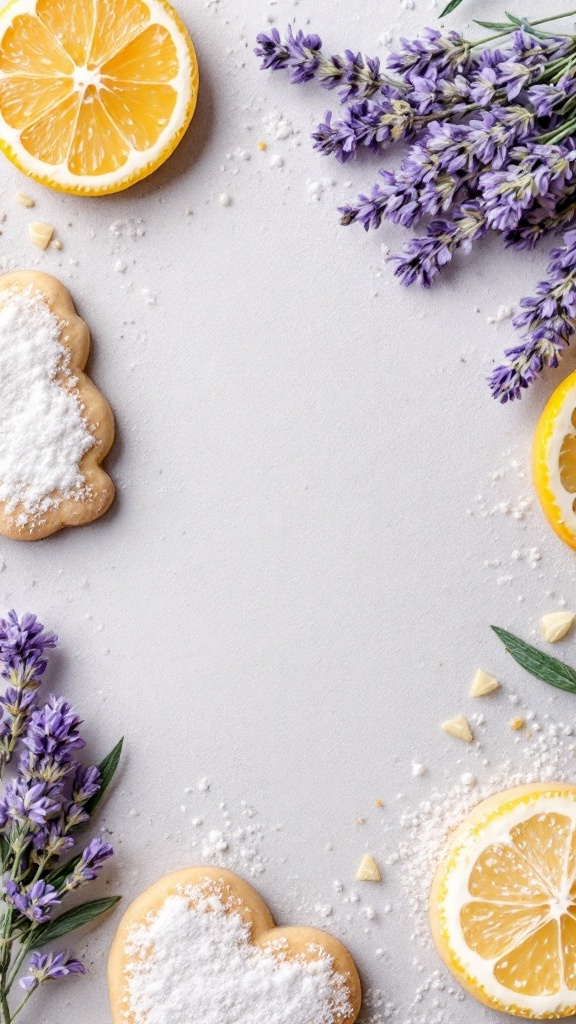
[(94, 94), (503, 903), (554, 461)]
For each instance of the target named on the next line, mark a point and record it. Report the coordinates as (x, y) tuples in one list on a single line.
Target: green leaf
[(450, 7), (496, 26), (513, 19), (107, 769), (60, 874), (72, 919), (543, 666)]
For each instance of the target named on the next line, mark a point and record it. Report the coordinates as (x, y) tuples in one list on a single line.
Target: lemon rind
[(553, 426)]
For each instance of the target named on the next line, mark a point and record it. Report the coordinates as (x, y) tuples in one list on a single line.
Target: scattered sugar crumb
[(503, 313)]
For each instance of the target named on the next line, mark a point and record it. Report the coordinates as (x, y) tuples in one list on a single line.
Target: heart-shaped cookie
[(55, 426), (200, 947)]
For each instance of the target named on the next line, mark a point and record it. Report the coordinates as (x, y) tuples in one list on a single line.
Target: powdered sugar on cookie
[(43, 434), (194, 957)]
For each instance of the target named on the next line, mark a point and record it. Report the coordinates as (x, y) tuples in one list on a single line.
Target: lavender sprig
[(51, 796), (493, 143), (547, 320), (302, 55), (423, 258)]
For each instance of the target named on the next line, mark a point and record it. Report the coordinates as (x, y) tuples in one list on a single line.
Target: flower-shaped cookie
[(201, 945)]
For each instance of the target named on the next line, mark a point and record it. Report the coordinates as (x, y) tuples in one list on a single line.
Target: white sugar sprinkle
[(198, 938), (43, 435)]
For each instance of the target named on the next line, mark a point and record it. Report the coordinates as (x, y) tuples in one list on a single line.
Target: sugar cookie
[(55, 426), (201, 944)]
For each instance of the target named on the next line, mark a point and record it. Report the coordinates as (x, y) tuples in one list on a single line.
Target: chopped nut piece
[(23, 200), (483, 684), (378, 803), (263, 146), (556, 625), (368, 870), (55, 243), (360, 821), (517, 723), (458, 727), (40, 234)]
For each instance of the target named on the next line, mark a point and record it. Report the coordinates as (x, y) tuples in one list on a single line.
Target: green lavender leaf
[(60, 874), (496, 26), (72, 919), (513, 19), (450, 7), (543, 666), (107, 769)]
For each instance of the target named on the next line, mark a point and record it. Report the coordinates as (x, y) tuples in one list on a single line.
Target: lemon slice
[(554, 460), (503, 903), (94, 94)]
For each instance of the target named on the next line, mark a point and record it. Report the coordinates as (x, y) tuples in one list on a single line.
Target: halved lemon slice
[(94, 94), (503, 903), (554, 460)]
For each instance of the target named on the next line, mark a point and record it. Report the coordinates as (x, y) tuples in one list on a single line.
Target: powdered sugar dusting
[(43, 434), (195, 957), (546, 755)]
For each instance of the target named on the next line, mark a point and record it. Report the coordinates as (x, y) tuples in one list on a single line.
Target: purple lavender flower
[(435, 51), (18, 702), (50, 967), (514, 77), (302, 54), (92, 860), (533, 172), (74, 815), (22, 645), (423, 258), (405, 197), (489, 138), (484, 86), (440, 168), (85, 784), (541, 219), (537, 51), (35, 903), (49, 842), (547, 320), (494, 147), (544, 99), (27, 805), (53, 731), (366, 124)]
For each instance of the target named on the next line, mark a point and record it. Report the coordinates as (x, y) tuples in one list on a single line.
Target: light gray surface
[(288, 594)]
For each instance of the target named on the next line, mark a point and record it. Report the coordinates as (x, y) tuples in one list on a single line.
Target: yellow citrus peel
[(554, 461)]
